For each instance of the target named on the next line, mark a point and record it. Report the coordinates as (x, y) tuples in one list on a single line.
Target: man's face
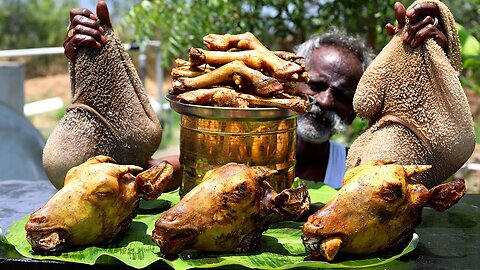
[(334, 74)]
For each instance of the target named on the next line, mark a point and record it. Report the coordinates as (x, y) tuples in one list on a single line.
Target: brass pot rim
[(229, 113)]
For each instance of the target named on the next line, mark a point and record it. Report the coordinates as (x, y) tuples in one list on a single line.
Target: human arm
[(422, 24), (84, 29)]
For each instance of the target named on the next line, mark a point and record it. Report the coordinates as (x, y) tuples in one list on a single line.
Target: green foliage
[(471, 59), (181, 24), (466, 13), (279, 24), (33, 23), (477, 132), (353, 131)]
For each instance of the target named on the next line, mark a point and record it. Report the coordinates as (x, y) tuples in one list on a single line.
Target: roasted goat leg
[(184, 68), (223, 96), (279, 68), (294, 104), (252, 58), (220, 96), (263, 85)]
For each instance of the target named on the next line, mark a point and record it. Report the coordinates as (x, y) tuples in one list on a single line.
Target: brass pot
[(213, 136)]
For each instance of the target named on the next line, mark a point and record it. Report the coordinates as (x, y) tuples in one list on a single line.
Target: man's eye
[(318, 86)]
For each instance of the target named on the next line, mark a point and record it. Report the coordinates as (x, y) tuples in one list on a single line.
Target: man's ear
[(446, 195)]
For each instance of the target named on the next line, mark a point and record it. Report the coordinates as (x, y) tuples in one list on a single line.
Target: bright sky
[(89, 4)]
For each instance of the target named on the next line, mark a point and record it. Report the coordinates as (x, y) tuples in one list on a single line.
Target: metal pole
[(142, 62), (168, 119), (39, 51), (159, 74)]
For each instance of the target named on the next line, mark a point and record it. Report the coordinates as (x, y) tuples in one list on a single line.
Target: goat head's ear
[(152, 182), (446, 195)]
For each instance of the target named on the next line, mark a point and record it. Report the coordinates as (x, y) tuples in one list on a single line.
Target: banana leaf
[(281, 246)]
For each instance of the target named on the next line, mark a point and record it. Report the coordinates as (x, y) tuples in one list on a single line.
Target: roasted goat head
[(97, 203), (227, 211), (375, 210)]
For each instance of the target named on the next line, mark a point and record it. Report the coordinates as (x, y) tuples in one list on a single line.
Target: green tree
[(280, 24), (32, 24), (466, 13)]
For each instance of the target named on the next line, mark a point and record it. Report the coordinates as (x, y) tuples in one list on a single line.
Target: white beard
[(318, 126)]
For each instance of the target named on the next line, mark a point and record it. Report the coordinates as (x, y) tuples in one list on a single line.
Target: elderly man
[(335, 62)]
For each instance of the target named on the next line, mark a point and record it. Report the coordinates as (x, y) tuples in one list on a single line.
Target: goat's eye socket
[(104, 194), (392, 193)]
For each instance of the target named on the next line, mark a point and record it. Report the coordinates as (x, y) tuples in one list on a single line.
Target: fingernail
[(93, 17), (101, 30)]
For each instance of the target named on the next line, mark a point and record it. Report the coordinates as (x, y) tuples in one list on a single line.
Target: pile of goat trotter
[(239, 71)]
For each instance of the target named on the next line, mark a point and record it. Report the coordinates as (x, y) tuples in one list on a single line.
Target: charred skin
[(216, 215), (376, 209), (97, 204), (227, 212)]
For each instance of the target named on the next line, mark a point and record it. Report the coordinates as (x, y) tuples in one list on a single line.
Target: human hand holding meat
[(84, 29), (416, 105), (110, 112), (239, 71), (424, 23)]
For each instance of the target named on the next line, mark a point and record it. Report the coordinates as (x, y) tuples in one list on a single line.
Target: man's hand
[(84, 29), (424, 23)]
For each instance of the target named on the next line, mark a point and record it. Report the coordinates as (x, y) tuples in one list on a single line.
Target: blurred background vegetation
[(181, 24)]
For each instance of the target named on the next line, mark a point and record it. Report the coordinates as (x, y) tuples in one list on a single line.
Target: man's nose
[(325, 99)]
